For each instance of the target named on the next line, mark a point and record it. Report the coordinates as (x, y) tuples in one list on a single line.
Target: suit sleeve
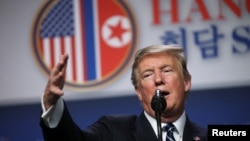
[(66, 130), (106, 128)]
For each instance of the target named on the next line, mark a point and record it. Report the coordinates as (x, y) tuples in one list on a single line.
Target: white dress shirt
[(179, 125), (53, 115)]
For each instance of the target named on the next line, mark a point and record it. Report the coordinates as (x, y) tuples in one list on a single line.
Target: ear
[(138, 93), (187, 84)]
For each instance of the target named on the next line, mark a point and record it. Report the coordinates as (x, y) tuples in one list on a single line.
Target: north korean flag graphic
[(99, 36)]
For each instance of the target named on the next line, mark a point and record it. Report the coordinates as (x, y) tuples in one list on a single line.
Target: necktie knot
[(169, 128)]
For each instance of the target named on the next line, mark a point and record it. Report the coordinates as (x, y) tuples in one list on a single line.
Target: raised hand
[(54, 87)]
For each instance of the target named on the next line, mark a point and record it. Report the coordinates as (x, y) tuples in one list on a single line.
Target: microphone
[(158, 104)]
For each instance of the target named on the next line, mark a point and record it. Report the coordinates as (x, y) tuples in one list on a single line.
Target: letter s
[(244, 133), (241, 35)]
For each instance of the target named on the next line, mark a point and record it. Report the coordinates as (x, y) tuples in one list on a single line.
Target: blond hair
[(174, 50)]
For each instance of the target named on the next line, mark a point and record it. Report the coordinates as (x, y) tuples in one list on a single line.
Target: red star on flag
[(117, 30)]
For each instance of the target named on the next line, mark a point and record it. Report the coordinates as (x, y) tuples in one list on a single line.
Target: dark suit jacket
[(114, 128)]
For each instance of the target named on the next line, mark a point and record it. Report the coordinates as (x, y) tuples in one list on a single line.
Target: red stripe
[(83, 40), (41, 50), (73, 54), (52, 53), (62, 45)]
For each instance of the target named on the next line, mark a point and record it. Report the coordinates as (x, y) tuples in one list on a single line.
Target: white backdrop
[(22, 81)]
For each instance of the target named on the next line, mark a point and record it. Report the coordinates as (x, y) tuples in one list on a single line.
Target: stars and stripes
[(97, 38)]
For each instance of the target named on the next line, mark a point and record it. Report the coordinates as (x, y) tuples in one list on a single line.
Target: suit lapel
[(192, 132), (143, 129), (187, 134)]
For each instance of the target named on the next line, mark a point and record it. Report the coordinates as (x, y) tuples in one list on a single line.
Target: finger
[(61, 65), (66, 64), (56, 79)]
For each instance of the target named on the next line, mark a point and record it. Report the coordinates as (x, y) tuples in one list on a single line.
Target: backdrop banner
[(101, 38)]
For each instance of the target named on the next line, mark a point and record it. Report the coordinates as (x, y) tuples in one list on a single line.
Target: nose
[(158, 79)]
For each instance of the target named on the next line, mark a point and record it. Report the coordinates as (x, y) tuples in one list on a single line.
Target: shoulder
[(193, 130), (194, 126), (118, 119), (197, 128), (114, 123)]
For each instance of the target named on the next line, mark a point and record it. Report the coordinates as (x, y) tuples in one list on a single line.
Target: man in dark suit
[(161, 67)]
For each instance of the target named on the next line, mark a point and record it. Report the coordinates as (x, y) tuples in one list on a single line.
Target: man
[(160, 67)]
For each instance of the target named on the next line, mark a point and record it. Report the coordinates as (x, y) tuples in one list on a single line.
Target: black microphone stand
[(158, 104)]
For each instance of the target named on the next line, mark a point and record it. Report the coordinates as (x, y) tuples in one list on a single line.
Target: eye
[(167, 70), (147, 75)]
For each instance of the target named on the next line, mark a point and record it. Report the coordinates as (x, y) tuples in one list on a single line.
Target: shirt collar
[(179, 123)]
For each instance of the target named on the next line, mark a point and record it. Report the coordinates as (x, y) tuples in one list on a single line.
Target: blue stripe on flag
[(89, 39)]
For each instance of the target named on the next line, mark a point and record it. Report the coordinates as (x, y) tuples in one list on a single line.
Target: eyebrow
[(162, 67)]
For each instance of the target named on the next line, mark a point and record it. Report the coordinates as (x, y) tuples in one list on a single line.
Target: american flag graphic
[(98, 35)]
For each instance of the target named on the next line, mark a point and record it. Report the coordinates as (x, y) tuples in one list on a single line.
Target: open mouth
[(164, 93)]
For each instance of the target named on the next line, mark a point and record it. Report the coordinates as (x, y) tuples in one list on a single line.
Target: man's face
[(160, 71)]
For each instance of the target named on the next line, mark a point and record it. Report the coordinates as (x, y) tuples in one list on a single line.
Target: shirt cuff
[(53, 115)]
